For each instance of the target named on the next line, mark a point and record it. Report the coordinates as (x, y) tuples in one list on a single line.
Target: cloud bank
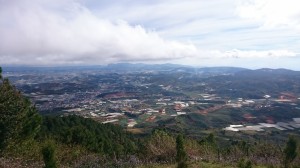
[(62, 32), (71, 34)]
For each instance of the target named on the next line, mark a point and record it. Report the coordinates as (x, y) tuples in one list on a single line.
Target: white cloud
[(72, 34), (240, 54), (272, 13), (217, 24), (52, 32), (255, 54), (245, 58)]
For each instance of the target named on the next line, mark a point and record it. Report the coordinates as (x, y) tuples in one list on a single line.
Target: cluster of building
[(295, 124), (118, 106)]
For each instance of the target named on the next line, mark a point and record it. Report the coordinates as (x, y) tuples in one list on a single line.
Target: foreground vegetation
[(30, 140)]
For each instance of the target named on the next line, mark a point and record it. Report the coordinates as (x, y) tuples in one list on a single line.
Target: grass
[(193, 165), (135, 130)]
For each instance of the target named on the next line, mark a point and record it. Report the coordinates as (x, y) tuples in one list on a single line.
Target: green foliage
[(101, 138), (181, 156), (244, 146), (19, 120), (210, 140), (290, 151), (210, 147), (160, 146), (244, 164), (48, 152)]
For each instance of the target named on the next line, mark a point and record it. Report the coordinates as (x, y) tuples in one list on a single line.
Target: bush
[(48, 152)]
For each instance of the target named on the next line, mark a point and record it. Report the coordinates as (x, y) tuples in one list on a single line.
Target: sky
[(241, 33)]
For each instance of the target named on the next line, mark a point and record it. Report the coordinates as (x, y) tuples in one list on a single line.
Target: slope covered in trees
[(100, 138), (19, 120), (24, 133)]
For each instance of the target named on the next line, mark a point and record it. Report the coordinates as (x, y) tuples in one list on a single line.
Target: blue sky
[(244, 33)]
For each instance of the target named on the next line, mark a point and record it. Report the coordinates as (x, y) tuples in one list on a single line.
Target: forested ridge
[(100, 138), (28, 139)]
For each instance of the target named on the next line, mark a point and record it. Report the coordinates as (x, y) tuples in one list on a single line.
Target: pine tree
[(181, 156), (48, 152), (290, 151), (19, 120)]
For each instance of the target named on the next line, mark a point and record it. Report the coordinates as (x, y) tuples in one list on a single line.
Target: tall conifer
[(19, 119), (181, 156)]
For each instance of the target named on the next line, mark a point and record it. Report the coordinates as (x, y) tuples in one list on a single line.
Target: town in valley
[(142, 97)]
